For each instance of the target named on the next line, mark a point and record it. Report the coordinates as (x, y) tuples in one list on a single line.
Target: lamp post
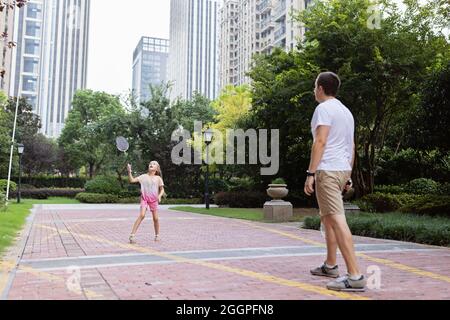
[(208, 136), (20, 149)]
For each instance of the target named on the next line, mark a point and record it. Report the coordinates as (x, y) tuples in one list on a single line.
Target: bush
[(86, 197), (182, 201), (246, 199), (129, 194), (429, 205), (27, 187), (385, 202), (52, 182), (42, 194), (241, 184), (390, 189), (279, 181), (4, 185), (103, 185), (395, 226), (422, 186), (2, 200), (444, 189)]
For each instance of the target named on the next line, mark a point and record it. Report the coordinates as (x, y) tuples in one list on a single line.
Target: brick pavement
[(81, 252)]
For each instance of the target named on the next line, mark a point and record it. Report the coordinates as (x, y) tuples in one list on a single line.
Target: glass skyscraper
[(50, 63), (150, 61), (193, 61)]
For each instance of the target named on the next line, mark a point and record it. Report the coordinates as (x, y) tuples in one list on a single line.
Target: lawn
[(238, 213), (245, 214), (12, 219)]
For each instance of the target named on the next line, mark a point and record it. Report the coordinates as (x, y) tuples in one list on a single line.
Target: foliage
[(4, 185), (248, 199), (103, 185), (422, 186), (429, 205), (395, 226)]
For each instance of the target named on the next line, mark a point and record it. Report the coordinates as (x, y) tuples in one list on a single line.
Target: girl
[(152, 190)]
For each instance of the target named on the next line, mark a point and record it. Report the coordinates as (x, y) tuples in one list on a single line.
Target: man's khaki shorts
[(329, 188)]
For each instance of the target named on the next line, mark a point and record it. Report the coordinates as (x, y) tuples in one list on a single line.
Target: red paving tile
[(63, 233)]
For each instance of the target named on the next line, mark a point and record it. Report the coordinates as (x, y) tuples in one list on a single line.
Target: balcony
[(280, 12), (264, 6), (266, 23), (280, 33)]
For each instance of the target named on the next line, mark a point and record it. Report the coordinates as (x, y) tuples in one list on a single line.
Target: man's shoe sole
[(325, 275), (347, 290)]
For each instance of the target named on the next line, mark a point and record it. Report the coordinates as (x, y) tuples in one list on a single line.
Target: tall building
[(50, 63), (193, 58), (150, 61), (6, 28), (262, 26)]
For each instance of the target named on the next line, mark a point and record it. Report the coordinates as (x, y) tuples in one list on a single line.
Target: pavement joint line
[(239, 271), (123, 264), (385, 262)]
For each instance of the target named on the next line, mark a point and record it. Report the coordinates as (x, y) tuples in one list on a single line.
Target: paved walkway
[(81, 252)]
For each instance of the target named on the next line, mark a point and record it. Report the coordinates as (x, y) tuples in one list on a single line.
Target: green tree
[(83, 137)]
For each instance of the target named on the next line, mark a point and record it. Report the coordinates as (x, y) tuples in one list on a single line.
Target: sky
[(115, 30)]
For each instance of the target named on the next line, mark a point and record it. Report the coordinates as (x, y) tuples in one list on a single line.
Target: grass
[(244, 214), (12, 219), (237, 213), (396, 226)]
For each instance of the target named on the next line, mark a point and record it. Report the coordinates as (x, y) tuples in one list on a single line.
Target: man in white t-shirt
[(332, 159)]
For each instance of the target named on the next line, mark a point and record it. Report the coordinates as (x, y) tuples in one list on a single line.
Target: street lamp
[(20, 149), (208, 136)]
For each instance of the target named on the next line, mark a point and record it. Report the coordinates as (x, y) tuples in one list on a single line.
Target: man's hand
[(309, 186)]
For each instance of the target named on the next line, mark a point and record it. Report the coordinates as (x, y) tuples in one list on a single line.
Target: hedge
[(43, 194), (52, 182), (87, 197), (245, 199), (395, 226), (429, 205)]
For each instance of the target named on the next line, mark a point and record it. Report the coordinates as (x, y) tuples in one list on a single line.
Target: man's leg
[(344, 239), (331, 243)]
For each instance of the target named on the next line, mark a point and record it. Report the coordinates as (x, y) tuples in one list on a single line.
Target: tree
[(82, 138), (381, 68), (41, 155)]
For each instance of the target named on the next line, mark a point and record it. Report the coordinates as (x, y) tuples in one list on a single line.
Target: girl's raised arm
[(130, 176)]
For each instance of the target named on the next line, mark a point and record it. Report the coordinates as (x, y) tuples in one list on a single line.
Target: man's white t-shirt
[(338, 153)]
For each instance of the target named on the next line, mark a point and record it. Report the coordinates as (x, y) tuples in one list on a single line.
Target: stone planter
[(277, 191)]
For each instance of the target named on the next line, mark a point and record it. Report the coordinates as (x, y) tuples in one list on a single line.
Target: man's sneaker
[(348, 285), (324, 271)]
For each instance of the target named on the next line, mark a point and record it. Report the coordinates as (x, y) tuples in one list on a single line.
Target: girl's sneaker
[(132, 240), (157, 238)]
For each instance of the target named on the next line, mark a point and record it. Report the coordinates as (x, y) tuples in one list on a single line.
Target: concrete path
[(81, 252)]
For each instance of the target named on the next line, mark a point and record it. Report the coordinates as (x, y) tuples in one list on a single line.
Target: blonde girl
[(152, 191)]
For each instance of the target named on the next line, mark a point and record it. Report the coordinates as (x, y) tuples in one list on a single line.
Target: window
[(34, 10), (32, 47), (33, 29), (30, 65)]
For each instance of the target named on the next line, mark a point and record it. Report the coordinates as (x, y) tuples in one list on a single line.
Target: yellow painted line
[(7, 266), (386, 262), (242, 272)]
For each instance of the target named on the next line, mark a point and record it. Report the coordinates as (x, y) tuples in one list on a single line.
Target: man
[(332, 160)]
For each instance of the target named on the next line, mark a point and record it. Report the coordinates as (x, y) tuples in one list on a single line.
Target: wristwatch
[(310, 174)]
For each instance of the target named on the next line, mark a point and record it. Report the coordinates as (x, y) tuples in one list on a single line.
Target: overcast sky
[(116, 28)]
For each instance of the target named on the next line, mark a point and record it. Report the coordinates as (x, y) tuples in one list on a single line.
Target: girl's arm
[(130, 176), (161, 193)]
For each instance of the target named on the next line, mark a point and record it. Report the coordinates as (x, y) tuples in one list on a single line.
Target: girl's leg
[(139, 220), (156, 224)]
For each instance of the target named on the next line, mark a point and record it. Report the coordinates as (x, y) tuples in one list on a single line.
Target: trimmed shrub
[(2, 200), (382, 202), (246, 199), (103, 185), (241, 184), (52, 182), (395, 226), (429, 205), (27, 187), (42, 194), (86, 197), (422, 186), (389, 189), (129, 194), (444, 189), (279, 181), (182, 201), (4, 185)]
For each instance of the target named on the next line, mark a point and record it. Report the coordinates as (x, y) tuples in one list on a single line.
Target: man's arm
[(317, 152), (318, 147)]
